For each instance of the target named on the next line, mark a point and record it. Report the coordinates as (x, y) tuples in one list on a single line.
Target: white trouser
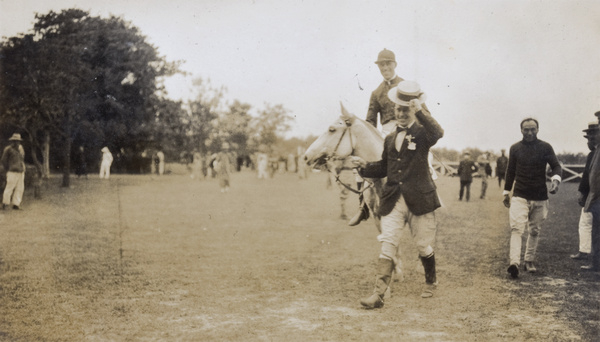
[(525, 215), (422, 228), (15, 185), (105, 169), (262, 171), (585, 232)]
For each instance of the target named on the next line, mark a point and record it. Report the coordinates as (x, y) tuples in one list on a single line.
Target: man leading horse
[(409, 196)]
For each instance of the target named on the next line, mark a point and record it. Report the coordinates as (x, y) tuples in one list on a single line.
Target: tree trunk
[(46, 155), (67, 148), (67, 164), (36, 179)]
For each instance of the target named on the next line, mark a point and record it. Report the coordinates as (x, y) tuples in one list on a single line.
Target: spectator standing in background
[(592, 204), (501, 164), (197, 165), (466, 168), (223, 167), (262, 165), (585, 219), (160, 157), (485, 171), (80, 163), (13, 162), (105, 164)]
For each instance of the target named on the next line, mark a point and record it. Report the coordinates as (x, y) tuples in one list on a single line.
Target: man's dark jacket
[(407, 171), (379, 103), (501, 165), (584, 185), (466, 169)]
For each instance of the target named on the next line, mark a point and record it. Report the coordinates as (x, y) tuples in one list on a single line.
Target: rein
[(334, 157), (358, 192)]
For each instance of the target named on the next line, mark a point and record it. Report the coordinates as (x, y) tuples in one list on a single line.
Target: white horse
[(351, 136)]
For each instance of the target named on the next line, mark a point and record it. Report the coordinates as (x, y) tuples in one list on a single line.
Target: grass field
[(141, 258)]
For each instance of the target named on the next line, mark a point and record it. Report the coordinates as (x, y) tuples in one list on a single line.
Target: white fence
[(571, 172)]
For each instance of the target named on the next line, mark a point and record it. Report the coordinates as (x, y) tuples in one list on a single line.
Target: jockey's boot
[(363, 211), (382, 281), (430, 276)]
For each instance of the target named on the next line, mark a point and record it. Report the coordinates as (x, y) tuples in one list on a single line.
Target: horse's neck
[(369, 146), (370, 155)]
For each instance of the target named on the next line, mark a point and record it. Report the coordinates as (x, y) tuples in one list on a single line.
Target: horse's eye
[(331, 129)]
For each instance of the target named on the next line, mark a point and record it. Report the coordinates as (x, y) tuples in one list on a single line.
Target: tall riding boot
[(430, 276), (363, 212), (382, 281)]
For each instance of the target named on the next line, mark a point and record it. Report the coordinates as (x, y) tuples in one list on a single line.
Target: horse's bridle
[(334, 157), (346, 129)]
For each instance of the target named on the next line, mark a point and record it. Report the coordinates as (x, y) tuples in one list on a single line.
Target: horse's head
[(336, 143)]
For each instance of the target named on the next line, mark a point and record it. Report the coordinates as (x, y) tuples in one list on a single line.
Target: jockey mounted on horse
[(379, 106)]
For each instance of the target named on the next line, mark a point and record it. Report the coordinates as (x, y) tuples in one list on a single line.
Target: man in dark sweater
[(527, 162)]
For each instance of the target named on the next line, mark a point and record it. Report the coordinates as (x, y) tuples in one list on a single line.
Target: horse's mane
[(370, 127)]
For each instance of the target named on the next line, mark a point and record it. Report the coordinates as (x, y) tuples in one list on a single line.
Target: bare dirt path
[(169, 259)]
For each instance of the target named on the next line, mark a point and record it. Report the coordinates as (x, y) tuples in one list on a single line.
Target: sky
[(484, 65)]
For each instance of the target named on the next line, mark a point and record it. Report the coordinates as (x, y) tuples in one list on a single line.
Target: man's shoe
[(429, 290), (372, 302), (529, 267), (514, 271), (16, 207), (591, 268), (362, 214), (343, 217), (5, 206), (580, 256)]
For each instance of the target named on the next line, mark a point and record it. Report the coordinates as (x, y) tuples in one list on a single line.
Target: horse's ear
[(346, 115)]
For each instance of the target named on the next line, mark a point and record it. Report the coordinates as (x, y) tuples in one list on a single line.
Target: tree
[(270, 125), (87, 79), (233, 126), (29, 95), (173, 128)]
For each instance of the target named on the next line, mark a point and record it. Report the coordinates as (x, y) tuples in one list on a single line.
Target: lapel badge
[(411, 144)]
